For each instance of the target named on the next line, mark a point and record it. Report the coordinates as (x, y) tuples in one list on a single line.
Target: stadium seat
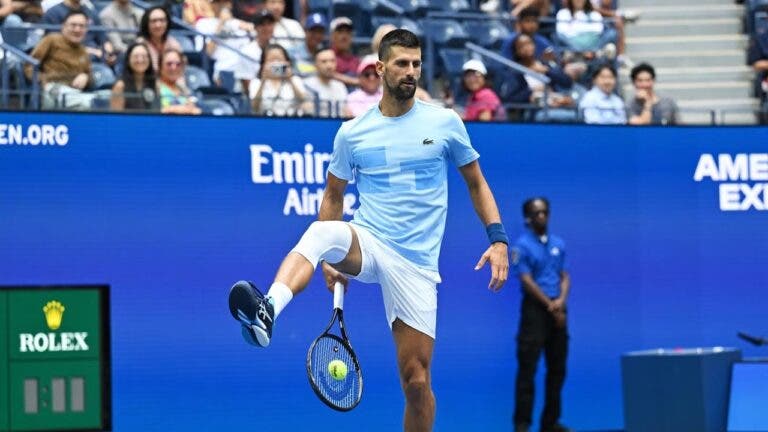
[(445, 32), (197, 78), (103, 76), (415, 8), (319, 6), (453, 5), (487, 33), (399, 22), (217, 107), (358, 11)]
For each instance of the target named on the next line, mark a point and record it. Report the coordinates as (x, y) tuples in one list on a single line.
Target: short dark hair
[(642, 67), (398, 37), (602, 67), (529, 12), (72, 13), (529, 203)]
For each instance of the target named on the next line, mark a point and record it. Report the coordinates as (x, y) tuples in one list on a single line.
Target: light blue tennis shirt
[(400, 165)]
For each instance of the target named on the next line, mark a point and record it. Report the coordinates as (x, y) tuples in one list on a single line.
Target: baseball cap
[(366, 62), (341, 22), (315, 20), (262, 17), (475, 65)]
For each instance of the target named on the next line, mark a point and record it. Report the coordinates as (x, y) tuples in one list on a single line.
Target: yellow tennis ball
[(337, 369)]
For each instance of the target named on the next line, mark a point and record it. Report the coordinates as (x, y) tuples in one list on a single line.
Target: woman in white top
[(276, 91), (579, 26)]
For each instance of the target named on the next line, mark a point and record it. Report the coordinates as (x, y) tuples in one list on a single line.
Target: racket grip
[(338, 296)]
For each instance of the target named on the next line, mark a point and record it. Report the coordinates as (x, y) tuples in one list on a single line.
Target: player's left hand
[(498, 257)]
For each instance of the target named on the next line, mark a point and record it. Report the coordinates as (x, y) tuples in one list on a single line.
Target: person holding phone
[(277, 91)]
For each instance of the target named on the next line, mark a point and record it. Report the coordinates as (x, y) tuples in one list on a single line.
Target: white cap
[(341, 21), (475, 65)]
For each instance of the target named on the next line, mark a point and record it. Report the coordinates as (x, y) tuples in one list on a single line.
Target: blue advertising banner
[(666, 234)]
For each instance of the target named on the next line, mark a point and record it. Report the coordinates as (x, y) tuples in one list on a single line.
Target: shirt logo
[(428, 141), (555, 251)]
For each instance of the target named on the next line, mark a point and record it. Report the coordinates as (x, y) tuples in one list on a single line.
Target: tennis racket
[(338, 386)]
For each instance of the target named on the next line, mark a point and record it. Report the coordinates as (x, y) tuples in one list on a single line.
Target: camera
[(278, 69)]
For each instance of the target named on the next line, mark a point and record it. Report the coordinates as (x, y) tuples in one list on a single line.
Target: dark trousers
[(538, 331)]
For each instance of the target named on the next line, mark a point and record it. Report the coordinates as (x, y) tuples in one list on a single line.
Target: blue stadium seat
[(415, 8), (399, 22), (487, 33), (103, 76), (453, 5), (445, 32), (319, 6), (358, 11), (217, 107), (196, 78)]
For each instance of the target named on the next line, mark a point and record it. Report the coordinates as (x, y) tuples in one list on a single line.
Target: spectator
[(757, 57), (153, 31), (30, 11), (483, 104), (527, 23), (264, 22), (7, 16), (647, 107), (370, 91), (121, 14), (523, 89), (288, 32), (617, 18), (136, 88), (601, 105), (195, 10), (580, 27), (347, 62), (315, 27), (277, 91), (378, 35), (175, 97), (95, 42), (330, 93), (64, 64)]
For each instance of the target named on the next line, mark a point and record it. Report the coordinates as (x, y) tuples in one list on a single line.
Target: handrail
[(25, 58), (391, 6), (507, 62)]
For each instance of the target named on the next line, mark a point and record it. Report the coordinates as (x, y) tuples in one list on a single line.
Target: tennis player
[(399, 152)]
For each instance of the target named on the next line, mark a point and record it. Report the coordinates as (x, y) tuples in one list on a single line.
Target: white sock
[(281, 295)]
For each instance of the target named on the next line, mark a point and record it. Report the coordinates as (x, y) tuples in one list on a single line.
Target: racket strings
[(344, 392)]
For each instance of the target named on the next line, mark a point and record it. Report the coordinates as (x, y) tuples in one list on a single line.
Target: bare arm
[(485, 206), (332, 206), (760, 65)]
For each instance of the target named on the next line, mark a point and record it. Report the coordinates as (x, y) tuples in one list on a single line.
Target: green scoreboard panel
[(55, 358)]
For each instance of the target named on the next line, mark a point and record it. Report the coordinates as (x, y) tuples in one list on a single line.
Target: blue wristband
[(496, 233)]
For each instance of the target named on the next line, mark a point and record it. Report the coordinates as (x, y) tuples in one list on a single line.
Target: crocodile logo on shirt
[(428, 141)]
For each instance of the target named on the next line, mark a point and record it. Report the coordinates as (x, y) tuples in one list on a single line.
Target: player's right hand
[(332, 276)]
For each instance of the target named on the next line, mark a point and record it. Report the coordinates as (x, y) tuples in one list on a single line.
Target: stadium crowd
[(271, 58)]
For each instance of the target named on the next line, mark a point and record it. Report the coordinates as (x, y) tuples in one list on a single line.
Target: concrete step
[(705, 73), (694, 4), (643, 45), (703, 118), (702, 58), (735, 105), (677, 10), (707, 90), (684, 27)]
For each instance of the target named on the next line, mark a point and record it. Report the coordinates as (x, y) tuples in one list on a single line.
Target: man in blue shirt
[(538, 259), (398, 152)]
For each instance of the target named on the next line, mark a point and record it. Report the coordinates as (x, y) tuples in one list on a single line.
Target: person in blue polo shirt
[(538, 259)]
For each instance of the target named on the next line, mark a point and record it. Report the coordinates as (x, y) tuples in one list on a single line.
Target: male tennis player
[(399, 152)]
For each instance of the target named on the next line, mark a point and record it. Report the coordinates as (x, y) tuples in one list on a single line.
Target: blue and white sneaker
[(254, 312)]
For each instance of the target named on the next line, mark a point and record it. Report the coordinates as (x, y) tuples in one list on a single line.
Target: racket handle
[(338, 296)]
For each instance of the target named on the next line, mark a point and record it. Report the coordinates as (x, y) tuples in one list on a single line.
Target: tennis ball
[(337, 369)]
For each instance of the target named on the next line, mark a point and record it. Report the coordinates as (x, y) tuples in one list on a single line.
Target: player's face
[(401, 72)]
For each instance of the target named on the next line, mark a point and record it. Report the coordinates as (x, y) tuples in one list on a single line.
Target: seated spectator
[(370, 92), (121, 14), (288, 32), (248, 70), (527, 23), (601, 105), (757, 57), (580, 28), (522, 89), (304, 56), (647, 107), (7, 16), (96, 43), (617, 19), (153, 31), (277, 91), (216, 19), (378, 35), (347, 62), (65, 67), (136, 88), (175, 97), (329, 92), (30, 11), (483, 104)]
